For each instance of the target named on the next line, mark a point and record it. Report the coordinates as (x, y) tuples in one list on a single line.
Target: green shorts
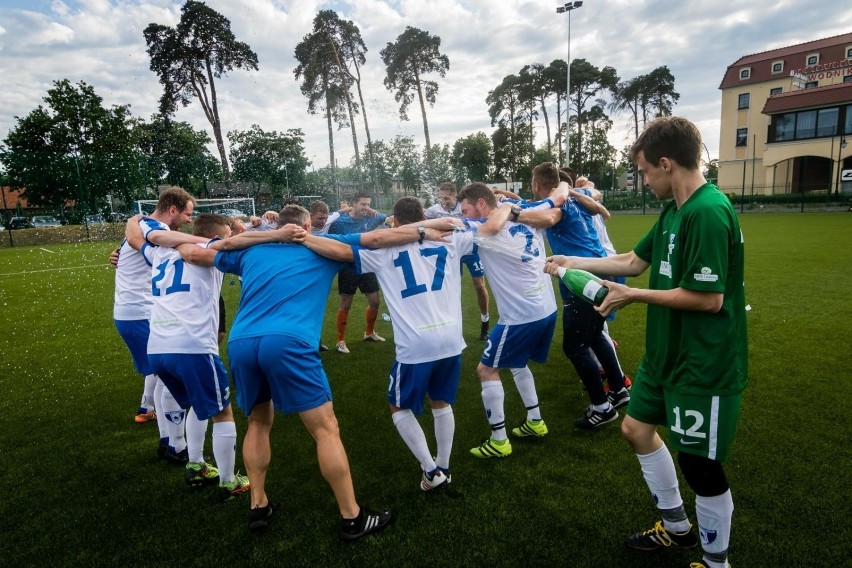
[(703, 425)]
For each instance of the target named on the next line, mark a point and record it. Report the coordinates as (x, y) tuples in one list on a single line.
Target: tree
[(176, 154), (504, 107), (556, 81), (277, 160), (537, 87), (414, 54), (73, 149), (404, 160), (190, 57), (439, 169), (627, 96), (660, 93), (472, 156), (586, 82), (321, 84)]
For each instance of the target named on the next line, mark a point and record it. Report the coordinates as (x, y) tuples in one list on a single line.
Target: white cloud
[(100, 42)]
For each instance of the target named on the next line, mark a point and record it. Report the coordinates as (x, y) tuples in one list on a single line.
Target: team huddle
[(167, 310)]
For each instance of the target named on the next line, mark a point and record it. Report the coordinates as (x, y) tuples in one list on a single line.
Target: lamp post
[(568, 7)]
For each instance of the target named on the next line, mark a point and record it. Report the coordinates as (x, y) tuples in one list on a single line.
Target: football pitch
[(83, 486)]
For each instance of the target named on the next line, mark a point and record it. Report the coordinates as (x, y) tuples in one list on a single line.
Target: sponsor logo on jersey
[(706, 275)]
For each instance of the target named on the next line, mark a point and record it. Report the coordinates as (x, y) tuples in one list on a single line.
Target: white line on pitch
[(45, 250), (54, 269)]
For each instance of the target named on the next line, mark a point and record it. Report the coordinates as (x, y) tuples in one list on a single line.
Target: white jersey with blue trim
[(437, 211), (132, 300), (185, 314), (514, 260), (422, 288)]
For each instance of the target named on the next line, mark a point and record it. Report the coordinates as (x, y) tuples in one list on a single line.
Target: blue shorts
[(409, 383), (196, 380), (135, 336), (512, 346), (474, 265), (283, 368)]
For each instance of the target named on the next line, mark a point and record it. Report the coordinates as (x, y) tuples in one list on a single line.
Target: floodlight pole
[(568, 7)]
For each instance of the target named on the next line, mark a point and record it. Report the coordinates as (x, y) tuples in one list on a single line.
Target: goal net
[(231, 207)]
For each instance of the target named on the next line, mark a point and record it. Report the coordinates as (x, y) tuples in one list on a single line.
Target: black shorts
[(348, 282), (222, 316)]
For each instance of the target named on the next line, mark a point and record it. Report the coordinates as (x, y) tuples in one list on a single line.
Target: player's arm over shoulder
[(195, 254)]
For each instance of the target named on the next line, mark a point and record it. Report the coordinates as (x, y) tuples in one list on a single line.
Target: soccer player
[(570, 231), (273, 356), (133, 300), (695, 366), (183, 349), (361, 219), (513, 255), (424, 298), (448, 206)]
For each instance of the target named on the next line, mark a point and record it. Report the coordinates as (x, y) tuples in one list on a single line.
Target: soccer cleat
[(483, 331), (531, 428), (259, 517), (433, 480), (592, 418), (341, 347), (143, 415), (323, 347), (365, 523), (618, 399), (177, 458), (702, 565), (659, 537), (374, 337), (627, 382), (229, 490), (491, 448), (198, 474)]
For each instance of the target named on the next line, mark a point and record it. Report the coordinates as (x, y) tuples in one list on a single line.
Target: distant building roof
[(809, 98)]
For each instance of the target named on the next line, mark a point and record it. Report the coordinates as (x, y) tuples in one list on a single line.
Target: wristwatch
[(421, 230), (515, 212)]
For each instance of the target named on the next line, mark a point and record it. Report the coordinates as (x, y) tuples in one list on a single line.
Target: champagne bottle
[(584, 284)]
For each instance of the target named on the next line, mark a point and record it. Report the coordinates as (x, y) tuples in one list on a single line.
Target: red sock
[(371, 321), (341, 324)]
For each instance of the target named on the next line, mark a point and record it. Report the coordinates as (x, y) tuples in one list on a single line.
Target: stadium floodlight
[(568, 7)]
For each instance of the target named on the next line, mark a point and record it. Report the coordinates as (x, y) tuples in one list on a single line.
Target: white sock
[(158, 402), (492, 399), (175, 418), (484, 317), (412, 434), (526, 387), (605, 407), (659, 471), (148, 393), (714, 521), (445, 429), (196, 431), (225, 449)]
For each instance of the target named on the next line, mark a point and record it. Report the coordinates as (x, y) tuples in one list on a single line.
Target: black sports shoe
[(176, 458), (366, 522), (483, 331), (594, 418), (259, 517), (618, 399), (659, 537)]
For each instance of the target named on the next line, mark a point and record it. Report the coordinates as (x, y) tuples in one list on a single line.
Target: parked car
[(230, 213), (44, 221), (19, 223), (96, 219)]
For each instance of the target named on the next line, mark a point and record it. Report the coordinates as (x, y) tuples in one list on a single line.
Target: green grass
[(82, 486)]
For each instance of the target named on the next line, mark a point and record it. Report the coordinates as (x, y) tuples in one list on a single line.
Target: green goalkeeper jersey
[(697, 247)]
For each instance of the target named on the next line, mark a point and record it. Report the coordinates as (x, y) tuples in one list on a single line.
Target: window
[(745, 73), (743, 101), (806, 124), (849, 52), (812, 59), (847, 78), (785, 127), (812, 84), (742, 136), (827, 121), (777, 66), (776, 91), (847, 126)]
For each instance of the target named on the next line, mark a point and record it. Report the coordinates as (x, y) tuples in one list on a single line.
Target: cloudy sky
[(100, 42)]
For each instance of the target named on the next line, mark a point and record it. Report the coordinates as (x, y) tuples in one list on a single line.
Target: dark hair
[(361, 195), (407, 210), (449, 187), (209, 225), (174, 196), (547, 174), (319, 206), (672, 137), (476, 191), (295, 214), (567, 174)]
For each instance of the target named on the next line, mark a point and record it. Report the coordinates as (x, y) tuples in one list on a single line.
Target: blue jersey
[(284, 290), (346, 224)]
